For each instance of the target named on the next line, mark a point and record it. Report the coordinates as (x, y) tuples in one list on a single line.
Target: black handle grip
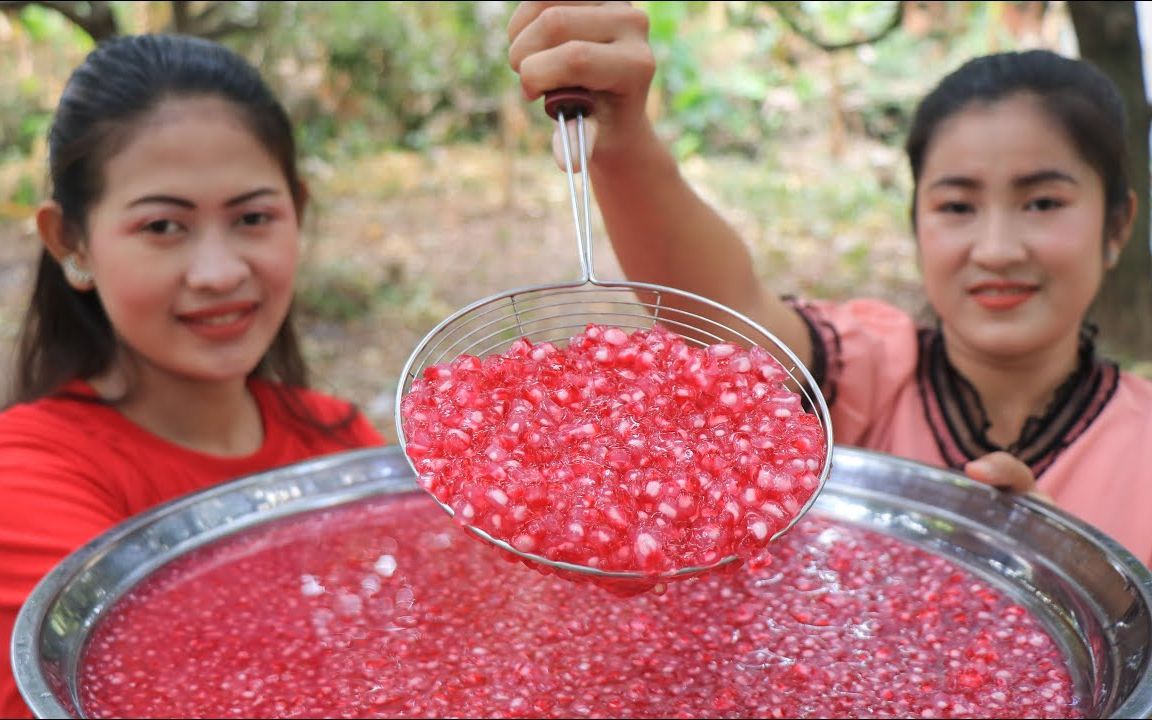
[(571, 101)]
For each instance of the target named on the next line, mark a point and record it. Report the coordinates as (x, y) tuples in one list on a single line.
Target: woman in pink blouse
[(1021, 205)]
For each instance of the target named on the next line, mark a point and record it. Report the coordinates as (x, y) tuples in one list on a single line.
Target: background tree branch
[(94, 18), (799, 22), (214, 21)]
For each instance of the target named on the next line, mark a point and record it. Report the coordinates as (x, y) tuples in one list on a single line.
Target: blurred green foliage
[(364, 77), (739, 82), (24, 112), (395, 74)]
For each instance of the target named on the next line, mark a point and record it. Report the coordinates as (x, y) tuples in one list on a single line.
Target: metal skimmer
[(557, 312)]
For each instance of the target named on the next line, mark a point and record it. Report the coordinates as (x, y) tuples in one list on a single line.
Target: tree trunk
[(1109, 37)]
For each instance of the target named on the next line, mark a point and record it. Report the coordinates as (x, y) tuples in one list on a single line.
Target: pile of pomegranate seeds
[(623, 452), (383, 608)]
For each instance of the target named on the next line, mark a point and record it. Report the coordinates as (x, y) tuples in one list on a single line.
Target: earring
[(77, 276), (1111, 256)]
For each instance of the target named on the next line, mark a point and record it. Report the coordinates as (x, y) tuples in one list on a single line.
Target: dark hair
[(66, 334), (1077, 95)]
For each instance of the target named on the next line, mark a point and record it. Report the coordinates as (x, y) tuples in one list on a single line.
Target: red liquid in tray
[(386, 608)]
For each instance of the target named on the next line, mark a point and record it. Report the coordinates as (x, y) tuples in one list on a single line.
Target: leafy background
[(433, 182)]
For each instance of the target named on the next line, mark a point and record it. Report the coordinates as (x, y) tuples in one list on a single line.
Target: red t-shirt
[(71, 469)]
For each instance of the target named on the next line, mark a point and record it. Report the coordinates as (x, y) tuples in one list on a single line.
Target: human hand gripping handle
[(600, 46)]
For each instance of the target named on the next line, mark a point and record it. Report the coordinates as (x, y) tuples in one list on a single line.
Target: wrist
[(638, 149)]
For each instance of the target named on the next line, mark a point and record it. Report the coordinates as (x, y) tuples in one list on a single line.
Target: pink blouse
[(890, 389)]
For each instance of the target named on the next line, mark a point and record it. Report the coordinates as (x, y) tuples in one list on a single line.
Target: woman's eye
[(162, 227), (954, 207), (254, 218), (1043, 204)]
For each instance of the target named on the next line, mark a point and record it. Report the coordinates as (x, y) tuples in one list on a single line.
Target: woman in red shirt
[(158, 356)]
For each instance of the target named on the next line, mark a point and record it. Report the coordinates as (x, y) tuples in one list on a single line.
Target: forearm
[(663, 232)]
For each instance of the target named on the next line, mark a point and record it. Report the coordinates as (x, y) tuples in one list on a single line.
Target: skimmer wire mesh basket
[(556, 312)]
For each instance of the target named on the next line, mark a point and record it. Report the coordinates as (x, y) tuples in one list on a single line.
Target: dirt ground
[(398, 242)]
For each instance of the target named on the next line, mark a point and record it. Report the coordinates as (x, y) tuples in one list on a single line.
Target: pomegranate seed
[(570, 421), (839, 624)]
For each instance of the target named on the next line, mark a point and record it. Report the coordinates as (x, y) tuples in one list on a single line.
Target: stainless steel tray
[(1093, 595)]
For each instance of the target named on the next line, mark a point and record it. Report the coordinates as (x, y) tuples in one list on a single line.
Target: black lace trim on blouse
[(953, 409), (960, 424), (827, 359)]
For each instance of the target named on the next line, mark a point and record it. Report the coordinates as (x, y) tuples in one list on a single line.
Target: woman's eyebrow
[(1034, 178), (1044, 176), (959, 181), (184, 203)]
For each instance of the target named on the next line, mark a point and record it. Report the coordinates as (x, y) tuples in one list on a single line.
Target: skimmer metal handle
[(564, 104)]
